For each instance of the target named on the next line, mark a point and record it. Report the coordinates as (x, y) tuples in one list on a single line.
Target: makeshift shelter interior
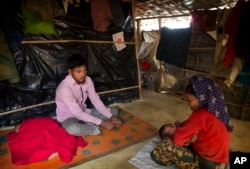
[(145, 74)]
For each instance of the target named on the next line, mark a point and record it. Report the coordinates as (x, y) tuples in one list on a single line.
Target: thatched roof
[(168, 8)]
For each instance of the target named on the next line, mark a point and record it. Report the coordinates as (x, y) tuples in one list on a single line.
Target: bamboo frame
[(137, 29), (160, 62), (51, 102), (164, 17), (70, 41), (204, 48), (226, 3)]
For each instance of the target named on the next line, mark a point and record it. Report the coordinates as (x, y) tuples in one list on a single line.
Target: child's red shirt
[(213, 137)]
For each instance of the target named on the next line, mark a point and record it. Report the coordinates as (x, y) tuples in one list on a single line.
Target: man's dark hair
[(75, 60)]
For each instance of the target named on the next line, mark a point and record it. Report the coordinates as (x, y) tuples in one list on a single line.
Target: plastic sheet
[(42, 66)]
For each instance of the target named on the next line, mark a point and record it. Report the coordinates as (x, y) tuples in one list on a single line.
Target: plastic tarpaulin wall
[(41, 67)]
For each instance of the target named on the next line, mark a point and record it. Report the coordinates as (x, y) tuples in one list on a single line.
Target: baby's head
[(167, 130)]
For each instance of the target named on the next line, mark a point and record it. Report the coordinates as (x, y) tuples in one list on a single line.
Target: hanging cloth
[(173, 46), (231, 28)]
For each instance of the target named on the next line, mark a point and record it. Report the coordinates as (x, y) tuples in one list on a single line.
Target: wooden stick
[(27, 107), (117, 90), (70, 41), (137, 42), (176, 16), (204, 48), (51, 102)]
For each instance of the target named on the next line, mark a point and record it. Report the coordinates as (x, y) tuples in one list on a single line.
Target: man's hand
[(116, 121), (108, 124)]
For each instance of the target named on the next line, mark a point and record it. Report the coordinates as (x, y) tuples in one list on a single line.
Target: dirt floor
[(156, 109)]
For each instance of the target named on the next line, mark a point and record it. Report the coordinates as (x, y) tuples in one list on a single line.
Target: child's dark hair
[(162, 133), (189, 89), (75, 60)]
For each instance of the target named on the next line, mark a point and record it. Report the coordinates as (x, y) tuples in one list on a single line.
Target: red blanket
[(38, 138)]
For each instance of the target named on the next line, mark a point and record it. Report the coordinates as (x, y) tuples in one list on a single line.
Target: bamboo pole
[(136, 31), (51, 102), (117, 90), (176, 16), (203, 48), (27, 107), (227, 4), (71, 41), (194, 71), (160, 66)]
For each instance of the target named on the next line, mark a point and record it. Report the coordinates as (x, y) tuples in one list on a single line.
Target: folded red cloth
[(38, 138)]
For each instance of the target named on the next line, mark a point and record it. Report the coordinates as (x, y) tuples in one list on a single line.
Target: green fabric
[(163, 163), (7, 63), (33, 22), (203, 163), (167, 153)]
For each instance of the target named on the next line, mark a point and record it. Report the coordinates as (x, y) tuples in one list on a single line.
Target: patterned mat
[(132, 131)]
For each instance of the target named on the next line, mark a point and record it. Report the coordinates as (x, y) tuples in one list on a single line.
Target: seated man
[(71, 95)]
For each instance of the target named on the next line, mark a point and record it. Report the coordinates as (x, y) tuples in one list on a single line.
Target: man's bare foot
[(116, 121)]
